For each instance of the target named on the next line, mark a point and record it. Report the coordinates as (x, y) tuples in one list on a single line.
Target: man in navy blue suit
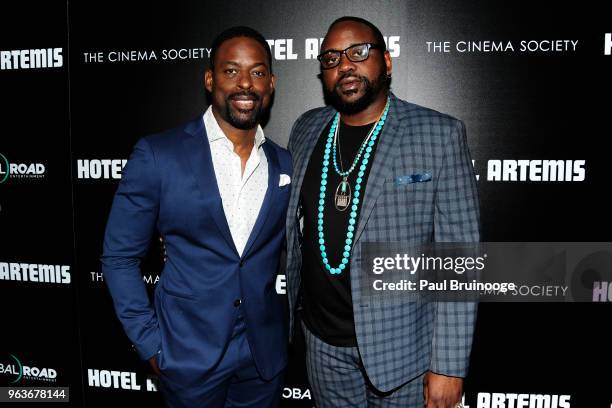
[(217, 191)]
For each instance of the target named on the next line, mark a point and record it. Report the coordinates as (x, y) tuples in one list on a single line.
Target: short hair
[(380, 40), (236, 32)]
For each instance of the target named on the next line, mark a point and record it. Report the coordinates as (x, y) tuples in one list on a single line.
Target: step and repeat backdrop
[(82, 81)]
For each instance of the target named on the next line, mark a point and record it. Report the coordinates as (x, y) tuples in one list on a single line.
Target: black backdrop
[(85, 115)]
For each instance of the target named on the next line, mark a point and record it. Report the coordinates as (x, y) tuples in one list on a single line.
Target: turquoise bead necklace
[(343, 194)]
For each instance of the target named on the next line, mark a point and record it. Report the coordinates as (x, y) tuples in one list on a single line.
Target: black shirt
[(327, 308)]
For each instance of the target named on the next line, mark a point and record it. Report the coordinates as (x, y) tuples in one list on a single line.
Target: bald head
[(350, 22), (356, 85)]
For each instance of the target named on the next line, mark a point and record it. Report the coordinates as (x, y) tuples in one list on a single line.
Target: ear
[(208, 80), (272, 83), (388, 63)]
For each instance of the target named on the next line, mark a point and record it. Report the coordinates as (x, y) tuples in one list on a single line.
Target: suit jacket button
[(237, 302), (241, 263)]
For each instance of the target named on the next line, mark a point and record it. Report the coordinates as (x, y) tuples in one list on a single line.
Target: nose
[(245, 81), (345, 64)]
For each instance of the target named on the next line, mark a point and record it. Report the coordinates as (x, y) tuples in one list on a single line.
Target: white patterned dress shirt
[(242, 194)]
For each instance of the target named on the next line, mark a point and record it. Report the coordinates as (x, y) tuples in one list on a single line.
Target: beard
[(372, 89), (243, 119)]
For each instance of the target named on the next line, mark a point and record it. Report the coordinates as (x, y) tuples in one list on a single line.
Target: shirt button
[(237, 302)]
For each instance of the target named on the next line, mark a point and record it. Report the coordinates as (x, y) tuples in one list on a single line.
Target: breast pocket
[(408, 208), (283, 195), (408, 187)]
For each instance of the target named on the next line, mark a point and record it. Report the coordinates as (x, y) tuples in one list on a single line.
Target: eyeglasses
[(355, 53)]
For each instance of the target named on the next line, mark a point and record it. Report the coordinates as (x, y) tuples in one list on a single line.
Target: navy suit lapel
[(269, 198), (197, 150), (386, 151)]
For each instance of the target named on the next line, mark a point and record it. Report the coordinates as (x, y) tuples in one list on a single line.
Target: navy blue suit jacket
[(169, 184)]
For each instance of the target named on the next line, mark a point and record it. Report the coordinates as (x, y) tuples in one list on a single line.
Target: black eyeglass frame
[(340, 52)]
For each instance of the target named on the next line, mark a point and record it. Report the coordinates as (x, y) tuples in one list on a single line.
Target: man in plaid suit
[(362, 353)]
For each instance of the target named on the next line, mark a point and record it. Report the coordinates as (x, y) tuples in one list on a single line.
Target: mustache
[(350, 74), (244, 95)]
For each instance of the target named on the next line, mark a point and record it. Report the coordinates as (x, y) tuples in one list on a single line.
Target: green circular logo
[(4, 168), (13, 370)]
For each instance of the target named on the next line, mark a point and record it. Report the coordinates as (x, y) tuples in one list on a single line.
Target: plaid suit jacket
[(399, 341)]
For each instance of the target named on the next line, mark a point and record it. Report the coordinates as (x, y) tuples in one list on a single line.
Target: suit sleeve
[(456, 219), (128, 232), (292, 136)]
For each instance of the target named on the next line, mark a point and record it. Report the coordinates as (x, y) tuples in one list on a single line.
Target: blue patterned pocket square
[(415, 178)]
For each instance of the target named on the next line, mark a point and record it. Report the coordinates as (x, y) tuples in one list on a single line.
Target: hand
[(442, 391), (154, 366)]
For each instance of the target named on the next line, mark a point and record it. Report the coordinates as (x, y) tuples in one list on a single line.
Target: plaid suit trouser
[(337, 379)]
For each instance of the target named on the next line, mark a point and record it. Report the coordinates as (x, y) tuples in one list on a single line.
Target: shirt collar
[(214, 131)]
